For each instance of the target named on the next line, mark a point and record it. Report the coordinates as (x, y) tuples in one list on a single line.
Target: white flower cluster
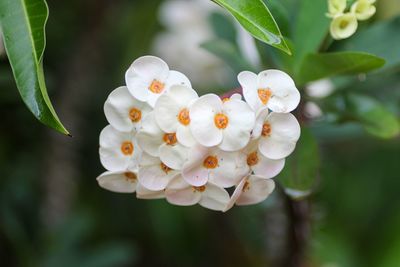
[(165, 141), (344, 24)]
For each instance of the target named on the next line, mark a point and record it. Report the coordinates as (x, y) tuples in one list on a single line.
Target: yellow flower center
[(170, 138), (211, 162), (252, 158), (246, 186), (135, 115), (156, 87), (165, 168), (127, 148), (225, 99), (264, 95), (183, 117), (199, 188), (221, 121), (266, 130), (130, 176)]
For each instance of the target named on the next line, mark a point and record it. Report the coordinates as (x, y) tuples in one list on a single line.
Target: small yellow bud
[(363, 9), (336, 7), (343, 26)]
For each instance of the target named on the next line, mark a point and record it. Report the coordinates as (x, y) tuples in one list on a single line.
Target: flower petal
[(268, 168), (173, 156), (193, 170), (166, 111), (214, 197), (202, 126), (117, 182), (285, 131), (236, 194), (176, 78), (248, 81), (184, 136), (144, 193), (256, 190), (261, 117), (182, 194), (150, 137)]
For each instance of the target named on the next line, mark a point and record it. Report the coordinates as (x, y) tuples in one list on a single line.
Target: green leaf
[(23, 24), (318, 66), (301, 169), (256, 18), (373, 116), (381, 39), (229, 53)]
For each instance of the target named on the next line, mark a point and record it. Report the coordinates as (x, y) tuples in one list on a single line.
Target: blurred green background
[(53, 213)]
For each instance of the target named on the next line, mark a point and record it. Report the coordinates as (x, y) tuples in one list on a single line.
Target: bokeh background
[(53, 213)]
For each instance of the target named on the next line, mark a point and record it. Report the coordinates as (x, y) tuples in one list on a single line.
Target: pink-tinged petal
[(193, 170), (182, 194), (184, 136), (285, 96), (236, 194), (166, 111), (268, 168), (144, 193), (255, 190), (154, 178), (174, 156), (248, 81), (119, 182), (202, 125), (214, 197), (176, 78), (150, 137), (285, 132)]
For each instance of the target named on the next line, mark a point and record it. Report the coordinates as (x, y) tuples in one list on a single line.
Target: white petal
[(182, 94), (166, 111), (241, 122), (117, 107), (285, 96), (248, 81), (150, 137), (261, 117), (144, 193), (268, 168), (236, 97), (256, 191), (202, 126), (153, 177), (174, 156), (214, 197), (285, 131), (182, 194), (117, 182), (176, 78), (236, 194), (184, 136)]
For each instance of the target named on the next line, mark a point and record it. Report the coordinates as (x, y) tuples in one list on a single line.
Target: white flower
[(251, 190), (320, 89), (172, 113), (144, 193), (157, 143), (123, 111), (259, 164), (154, 174), (119, 182), (209, 195), (272, 89), (212, 164), (343, 26), (149, 77), (363, 9), (336, 7), (118, 150), (278, 133), (312, 110), (224, 124)]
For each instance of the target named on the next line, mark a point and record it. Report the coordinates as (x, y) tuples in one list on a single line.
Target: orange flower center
[(165, 168), (156, 87), (246, 186), (130, 176), (264, 95), (221, 121), (183, 117), (252, 158), (127, 148), (199, 188), (135, 115), (170, 138), (266, 130), (211, 162), (225, 99)]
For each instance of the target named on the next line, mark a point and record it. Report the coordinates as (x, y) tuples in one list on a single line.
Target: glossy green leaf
[(23, 24), (256, 18), (318, 66), (229, 53), (373, 116), (381, 39), (301, 169)]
